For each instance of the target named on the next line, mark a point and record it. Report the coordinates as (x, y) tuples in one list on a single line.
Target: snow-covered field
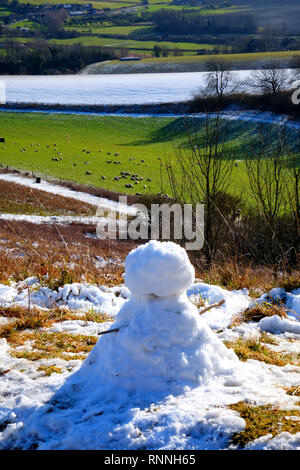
[(107, 89), (164, 379)]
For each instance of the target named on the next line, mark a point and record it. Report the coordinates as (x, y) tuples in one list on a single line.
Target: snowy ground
[(165, 380), (189, 418)]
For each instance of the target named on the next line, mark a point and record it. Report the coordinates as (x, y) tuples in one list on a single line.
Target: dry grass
[(257, 350), (58, 254), (258, 279), (26, 323), (293, 391), (258, 312), (49, 370), (45, 345), (18, 199), (97, 317), (263, 420)]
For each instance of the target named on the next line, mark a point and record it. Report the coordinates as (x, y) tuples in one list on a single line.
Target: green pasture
[(86, 143), (109, 30), (130, 43), (99, 5)]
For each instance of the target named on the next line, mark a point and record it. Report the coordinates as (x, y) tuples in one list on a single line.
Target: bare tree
[(221, 82), (266, 171), (270, 82), (202, 173), (293, 191)]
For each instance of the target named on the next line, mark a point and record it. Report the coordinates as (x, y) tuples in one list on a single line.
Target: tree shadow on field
[(175, 130)]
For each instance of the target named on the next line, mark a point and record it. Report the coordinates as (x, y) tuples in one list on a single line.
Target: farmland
[(96, 149), (165, 30)]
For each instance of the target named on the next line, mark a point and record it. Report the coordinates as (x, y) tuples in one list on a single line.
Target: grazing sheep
[(116, 154), (88, 173), (149, 180), (2, 139), (117, 178), (108, 161), (87, 163), (103, 177)]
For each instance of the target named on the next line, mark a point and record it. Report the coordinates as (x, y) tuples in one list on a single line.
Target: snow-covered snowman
[(159, 341)]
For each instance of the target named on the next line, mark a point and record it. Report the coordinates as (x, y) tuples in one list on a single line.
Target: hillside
[(194, 63)]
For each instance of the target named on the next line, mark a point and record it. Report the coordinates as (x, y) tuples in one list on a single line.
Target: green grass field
[(130, 43), (86, 143), (109, 30), (251, 57), (96, 4), (203, 11)]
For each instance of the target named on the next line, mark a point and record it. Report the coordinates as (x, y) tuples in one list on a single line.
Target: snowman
[(159, 342)]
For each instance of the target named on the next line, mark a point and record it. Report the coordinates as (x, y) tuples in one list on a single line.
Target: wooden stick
[(115, 330), (212, 306)]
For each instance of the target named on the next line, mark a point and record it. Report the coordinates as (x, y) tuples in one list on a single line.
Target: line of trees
[(41, 57), (269, 89), (192, 22)]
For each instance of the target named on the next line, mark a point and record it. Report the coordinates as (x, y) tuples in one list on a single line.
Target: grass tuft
[(258, 312), (256, 350), (49, 370), (263, 420)]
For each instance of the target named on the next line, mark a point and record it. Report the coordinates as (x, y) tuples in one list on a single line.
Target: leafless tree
[(221, 82), (267, 177), (293, 192), (270, 82), (202, 174)]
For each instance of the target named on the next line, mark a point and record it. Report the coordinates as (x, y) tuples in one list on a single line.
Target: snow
[(162, 269), (59, 220), (78, 297), (284, 441), (164, 380), (221, 317), (119, 89), (62, 191), (277, 325)]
